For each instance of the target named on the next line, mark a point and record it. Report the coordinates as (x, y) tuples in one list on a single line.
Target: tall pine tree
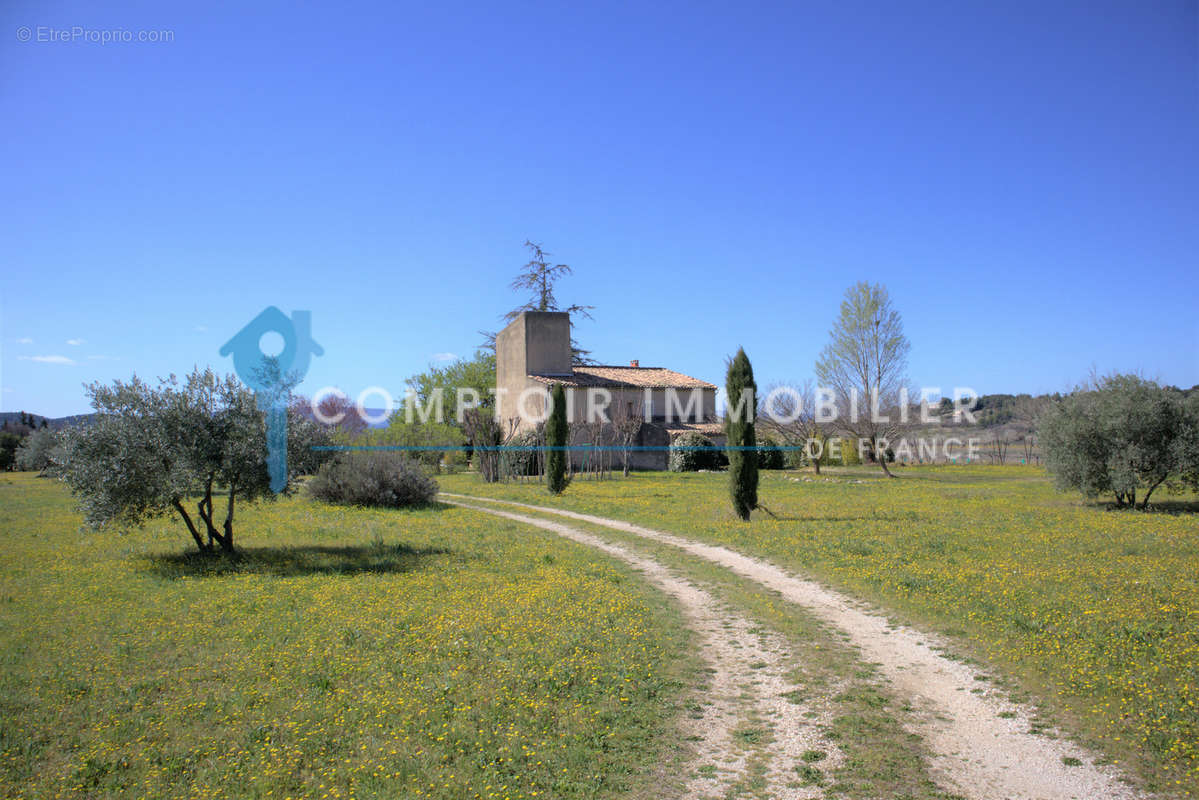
[(742, 440), (557, 434)]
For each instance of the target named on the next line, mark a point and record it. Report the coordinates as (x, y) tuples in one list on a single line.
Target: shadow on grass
[(1175, 506), (787, 517), (1162, 507), (1172, 507), (879, 516), (286, 562)]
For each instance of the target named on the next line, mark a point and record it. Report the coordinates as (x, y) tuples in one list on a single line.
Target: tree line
[(195, 447)]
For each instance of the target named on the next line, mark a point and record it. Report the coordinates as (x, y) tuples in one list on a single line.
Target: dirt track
[(747, 685), (983, 748)]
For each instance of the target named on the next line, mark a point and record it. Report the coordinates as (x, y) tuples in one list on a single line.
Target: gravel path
[(742, 726), (982, 744)]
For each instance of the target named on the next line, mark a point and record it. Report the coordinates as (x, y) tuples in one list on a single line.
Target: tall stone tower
[(535, 343)]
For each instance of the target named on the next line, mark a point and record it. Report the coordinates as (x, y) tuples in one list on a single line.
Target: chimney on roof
[(634, 363)]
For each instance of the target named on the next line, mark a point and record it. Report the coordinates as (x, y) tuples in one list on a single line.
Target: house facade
[(533, 353)]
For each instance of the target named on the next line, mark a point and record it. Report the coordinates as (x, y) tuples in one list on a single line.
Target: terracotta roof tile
[(706, 428), (625, 377)]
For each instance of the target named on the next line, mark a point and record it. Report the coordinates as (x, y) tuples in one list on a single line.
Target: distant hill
[(373, 413), (14, 418)]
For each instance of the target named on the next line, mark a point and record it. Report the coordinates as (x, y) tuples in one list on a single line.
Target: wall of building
[(649, 435), (536, 342), (652, 400)]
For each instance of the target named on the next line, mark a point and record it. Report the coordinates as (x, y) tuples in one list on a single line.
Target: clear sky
[(1022, 176)]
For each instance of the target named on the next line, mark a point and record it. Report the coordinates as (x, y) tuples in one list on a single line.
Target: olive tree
[(864, 365), (1121, 434), (151, 451), (37, 450)]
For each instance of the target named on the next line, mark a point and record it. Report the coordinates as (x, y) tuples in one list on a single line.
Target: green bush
[(685, 458), (849, 452), (441, 440), (770, 456), (372, 479), (9, 442)]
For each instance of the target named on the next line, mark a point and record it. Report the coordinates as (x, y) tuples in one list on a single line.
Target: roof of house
[(625, 377), (705, 428)]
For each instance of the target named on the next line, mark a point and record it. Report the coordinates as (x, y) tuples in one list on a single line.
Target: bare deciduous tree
[(334, 407), (999, 445), (487, 435), (594, 464), (864, 365), (626, 425), (789, 414), (1028, 411)]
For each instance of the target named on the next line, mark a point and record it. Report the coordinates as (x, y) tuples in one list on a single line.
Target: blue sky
[(1021, 176)]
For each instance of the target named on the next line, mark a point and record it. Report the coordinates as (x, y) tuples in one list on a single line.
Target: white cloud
[(201, 329), (75, 342), (24, 340), (49, 360), (445, 356)]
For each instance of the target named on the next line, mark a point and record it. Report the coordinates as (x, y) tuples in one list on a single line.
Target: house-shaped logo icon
[(255, 368)]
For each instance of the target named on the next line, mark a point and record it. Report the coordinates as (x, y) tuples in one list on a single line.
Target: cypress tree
[(742, 440), (556, 434)]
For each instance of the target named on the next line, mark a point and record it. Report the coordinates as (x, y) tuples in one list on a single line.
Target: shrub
[(372, 479), (719, 459), (770, 456), (433, 444), (684, 457), (850, 457), (9, 442)]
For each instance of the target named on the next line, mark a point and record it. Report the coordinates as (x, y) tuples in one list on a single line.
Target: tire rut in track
[(981, 742), (744, 727)]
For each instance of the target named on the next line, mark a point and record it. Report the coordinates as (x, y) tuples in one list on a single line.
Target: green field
[(1093, 614), (444, 653), (348, 653)]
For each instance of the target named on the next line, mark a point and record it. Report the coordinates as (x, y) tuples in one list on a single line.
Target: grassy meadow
[(348, 653), (1094, 614)]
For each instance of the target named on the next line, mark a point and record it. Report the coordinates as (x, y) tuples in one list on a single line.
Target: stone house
[(533, 353)]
